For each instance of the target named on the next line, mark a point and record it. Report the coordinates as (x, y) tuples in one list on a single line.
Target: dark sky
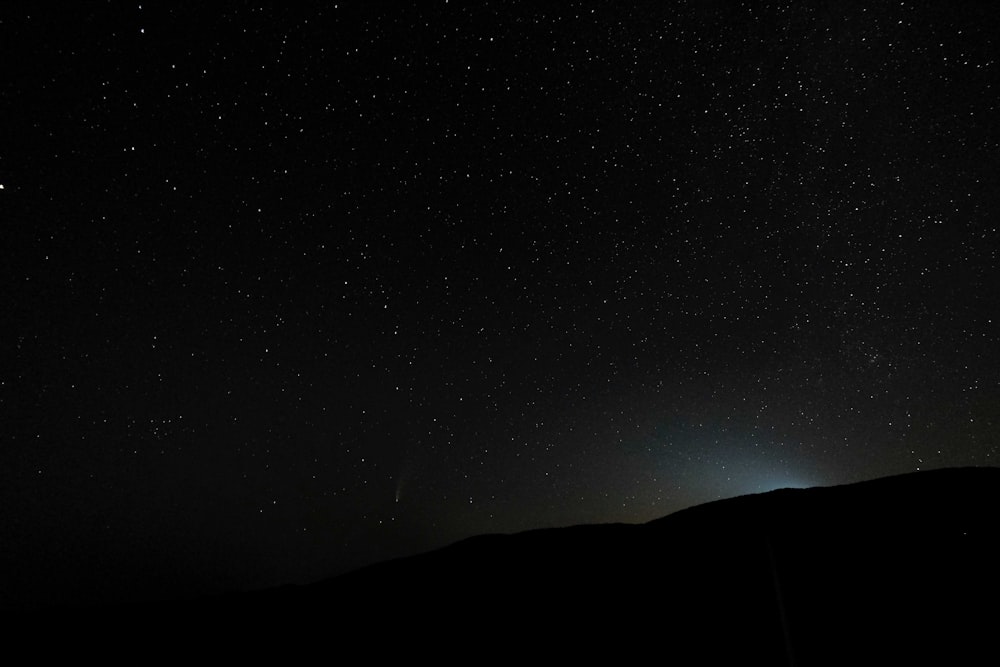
[(289, 290)]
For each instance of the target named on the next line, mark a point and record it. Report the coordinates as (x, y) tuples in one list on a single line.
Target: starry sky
[(288, 290)]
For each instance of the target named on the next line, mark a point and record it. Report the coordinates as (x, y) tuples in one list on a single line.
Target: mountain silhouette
[(859, 574)]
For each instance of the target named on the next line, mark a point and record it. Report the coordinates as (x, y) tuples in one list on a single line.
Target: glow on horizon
[(774, 485)]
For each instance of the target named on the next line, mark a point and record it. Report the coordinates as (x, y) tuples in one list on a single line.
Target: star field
[(291, 290)]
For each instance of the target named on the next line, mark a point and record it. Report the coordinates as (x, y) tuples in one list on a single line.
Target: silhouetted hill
[(861, 573)]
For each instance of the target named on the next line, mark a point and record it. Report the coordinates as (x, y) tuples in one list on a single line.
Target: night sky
[(290, 290)]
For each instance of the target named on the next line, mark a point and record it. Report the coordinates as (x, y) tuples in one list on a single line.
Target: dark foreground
[(866, 573)]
